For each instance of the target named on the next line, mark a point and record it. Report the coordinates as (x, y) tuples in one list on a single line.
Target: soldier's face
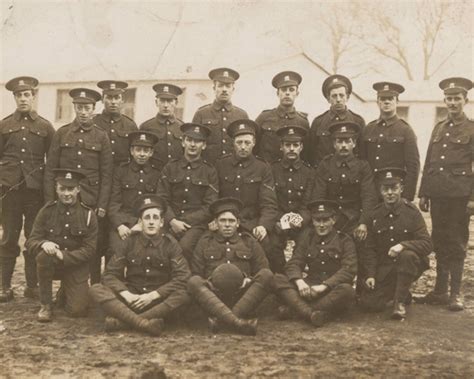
[(227, 224), (387, 104), (166, 107), (291, 150), (243, 145), (141, 154), (323, 225), (152, 222), (391, 193), (24, 100), (84, 112), (113, 103), (455, 103), (338, 98), (67, 194), (344, 146), (193, 147), (287, 95), (223, 91)]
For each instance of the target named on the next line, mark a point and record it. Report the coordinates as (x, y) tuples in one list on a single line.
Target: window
[(64, 107), (441, 114), (402, 112), (129, 102)]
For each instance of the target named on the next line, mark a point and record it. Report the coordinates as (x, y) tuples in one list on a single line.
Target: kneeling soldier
[(231, 274), (64, 239), (156, 273), (397, 249), (331, 258)]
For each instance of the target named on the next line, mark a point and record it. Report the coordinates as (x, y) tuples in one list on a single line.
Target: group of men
[(203, 211)]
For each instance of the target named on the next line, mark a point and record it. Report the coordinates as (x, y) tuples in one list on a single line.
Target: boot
[(113, 324), (120, 311), (292, 298), (250, 300), (455, 302), (7, 266), (31, 291), (439, 296), (319, 318), (399, 311), (402, 291), (284, 313), (45, 313), (211, 303)]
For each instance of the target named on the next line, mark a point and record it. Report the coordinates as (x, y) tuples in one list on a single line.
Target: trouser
[(189, 239), (19, 209), (95, 263), (392, 282), (334, 301), (450, 236), (75, 290), (160, 308)]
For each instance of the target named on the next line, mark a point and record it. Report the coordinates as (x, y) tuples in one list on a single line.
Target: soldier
[(331, 258), (446, 190), (24, 141), (113, 121), (337, 90), (189, 185), (249, 178), (293, 186), (218, 115), (63, 240), (269, 121), (145, 281), (390, 141), (131, 180), (348, 181), (397, 249), (82, 145), (165, 124), (231, 274)]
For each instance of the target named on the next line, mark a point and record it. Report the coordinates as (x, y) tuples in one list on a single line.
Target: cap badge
[(166, 89), (287, 78), (451, 85), (142, 137), (147, 201), (68, 176), (321, 208), (242, 126), (82, 94), (389, 175), (291, 131), (197, 129), (386, 87), (21, 82), (335, 80), (112, 85), (226, 74), (343, 129)]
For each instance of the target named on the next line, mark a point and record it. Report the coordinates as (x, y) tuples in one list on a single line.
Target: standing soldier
[(189, 185), (82, 145), (447, 191), (390, 141), (111, 120), (249, 178), (348, 181), (337, 90), (63, 240), (269, 121), (145, 281), (231, 274), (24, 142), (218, 115), (332, 263), (165, 124), (293, 185), (397, 249), (131, 180)]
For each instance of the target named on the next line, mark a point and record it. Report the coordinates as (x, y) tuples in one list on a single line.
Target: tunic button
[(223, 141), (22, 162), (227, 249), (65, 237), (289, 179), (141, 180), (147, 270), (442, 157), (224, 118), (144, 288), (450, 124), (80, 140), (113, 152), (378, 146), (184, 201), (141, 171), (291, 170), (79, 153), (444, 145), (341, 197), (24, 138), (223, 152), (169, 155), (447, 134), (383, 124), (390, 215), (391, 239), (112, 141), (289, 202), (391, 227), (139, 192), (67, 225), (237, 189), (343, 175), (238, 176), (182, 211), (188, 178), (323, 262), (22, 128), (112, 130), (169, 133), (227, 243), (337, 118), (22, 150), (186, 190), (189, 167), (289, 191), (322, 250), (161, 264), (169, 143), (223, 109), (377, 158), (82, 131), (68, 213), (223, 129), (323, 243), (381, 135), (79, 166), (212, 256), (441, 169)]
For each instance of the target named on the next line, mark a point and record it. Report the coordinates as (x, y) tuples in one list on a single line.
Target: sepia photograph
[(236, 189)]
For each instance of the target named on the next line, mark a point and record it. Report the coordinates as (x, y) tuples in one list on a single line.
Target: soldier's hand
[(145, 300), (303, 288), (317, 290), (370, 282), (50, 248), (246, 282), (212, 226), (137, 228), (101, 212), (259, 232), (360, 233), (470, 207), (424, 204), (60, 255), (124, 231), (395, 250), (129, 297), (178, 226)]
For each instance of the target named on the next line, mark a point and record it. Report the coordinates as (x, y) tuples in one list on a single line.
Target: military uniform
[(447, 182), (388, 226), (241, 255), (331, 261), (141, 265), (74, 229), (24, 143)]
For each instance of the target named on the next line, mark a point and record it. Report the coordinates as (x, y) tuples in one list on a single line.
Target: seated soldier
[(397, 249), (154, 282), (231, 274), (64, 239), (332, 261), (131, 180)]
